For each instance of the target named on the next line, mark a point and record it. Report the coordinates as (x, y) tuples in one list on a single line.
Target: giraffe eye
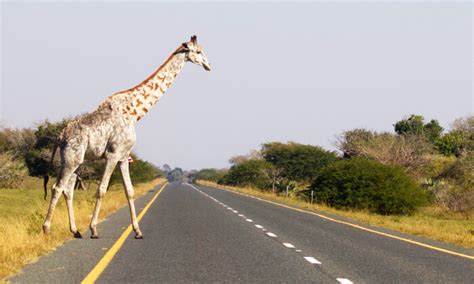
[(198, 52)]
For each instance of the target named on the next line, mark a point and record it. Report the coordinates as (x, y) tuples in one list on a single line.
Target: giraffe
[(109, 133)]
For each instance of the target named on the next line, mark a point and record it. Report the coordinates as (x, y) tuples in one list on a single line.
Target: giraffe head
[(195, 54)]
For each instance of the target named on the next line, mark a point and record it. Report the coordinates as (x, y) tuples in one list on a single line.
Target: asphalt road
[(201, 234)]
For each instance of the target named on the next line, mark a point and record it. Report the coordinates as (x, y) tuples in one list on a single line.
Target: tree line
[(418, 164)]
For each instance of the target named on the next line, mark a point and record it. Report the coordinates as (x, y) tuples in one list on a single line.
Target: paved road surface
[(201, 234)]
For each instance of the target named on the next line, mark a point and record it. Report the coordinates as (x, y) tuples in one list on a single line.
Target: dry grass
[(430, 222), (22, 213)]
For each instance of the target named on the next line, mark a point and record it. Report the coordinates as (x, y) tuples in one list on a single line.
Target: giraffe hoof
[(46, 230), (77, 235), (139, 237), (94, 236)]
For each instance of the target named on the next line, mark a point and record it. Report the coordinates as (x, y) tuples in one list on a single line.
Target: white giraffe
[(109, 133)]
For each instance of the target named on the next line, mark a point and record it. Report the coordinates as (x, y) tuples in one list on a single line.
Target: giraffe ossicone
[(109, 133)]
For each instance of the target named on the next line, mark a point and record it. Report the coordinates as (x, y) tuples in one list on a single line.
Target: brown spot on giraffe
[(145, 109), (139, 103)]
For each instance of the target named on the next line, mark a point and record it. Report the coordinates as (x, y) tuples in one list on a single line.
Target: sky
[(302, 72)]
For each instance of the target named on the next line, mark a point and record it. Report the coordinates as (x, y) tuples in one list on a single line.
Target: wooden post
[(311, 197)]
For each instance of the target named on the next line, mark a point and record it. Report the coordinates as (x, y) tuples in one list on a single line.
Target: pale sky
[(281, 71)]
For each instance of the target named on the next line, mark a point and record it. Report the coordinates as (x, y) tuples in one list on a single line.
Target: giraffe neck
[(141, 98)]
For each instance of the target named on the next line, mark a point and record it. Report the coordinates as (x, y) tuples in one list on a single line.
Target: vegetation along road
[(195, 233)]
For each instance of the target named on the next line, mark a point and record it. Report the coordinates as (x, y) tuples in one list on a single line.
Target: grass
[(22, 213), (429, 222)]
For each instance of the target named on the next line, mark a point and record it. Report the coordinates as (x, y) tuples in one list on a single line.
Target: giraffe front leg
[(109, 168), (69, 196), (127, 183)]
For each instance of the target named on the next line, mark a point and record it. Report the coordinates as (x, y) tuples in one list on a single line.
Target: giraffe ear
[(194, 39)]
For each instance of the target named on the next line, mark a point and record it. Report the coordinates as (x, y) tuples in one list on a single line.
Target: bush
[(452, 144), (436, 164), (140, 171), (365, 184), (209, 174), (452, 197), (12, 171), (407, 151), (248, 173), (16, 141), (453, 189)]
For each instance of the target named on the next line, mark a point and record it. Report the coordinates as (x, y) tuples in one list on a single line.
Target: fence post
[(311, 197), (287, 190)]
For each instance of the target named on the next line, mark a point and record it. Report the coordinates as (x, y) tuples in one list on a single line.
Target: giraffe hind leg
[(57, 189)]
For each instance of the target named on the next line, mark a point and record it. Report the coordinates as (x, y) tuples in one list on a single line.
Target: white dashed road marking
[(312, 260), (309, 259)]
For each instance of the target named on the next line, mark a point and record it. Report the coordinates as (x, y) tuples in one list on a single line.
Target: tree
[(412, 125), (38, 158), (432, 130), (348, 142), (176, 175), (415, 126), (297, 162), (166, 168), (274, 175)]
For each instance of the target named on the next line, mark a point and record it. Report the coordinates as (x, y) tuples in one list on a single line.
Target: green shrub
[(248, 173), (436, 164), (366, 184), (451, 144)]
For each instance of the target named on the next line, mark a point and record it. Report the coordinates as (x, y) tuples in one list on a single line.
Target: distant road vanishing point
[(201, 234)]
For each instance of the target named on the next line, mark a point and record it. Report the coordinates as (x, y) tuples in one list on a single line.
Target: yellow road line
[(107, 258), (358, 226)]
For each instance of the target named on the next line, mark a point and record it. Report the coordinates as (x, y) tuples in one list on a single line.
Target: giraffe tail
[(46, 176)]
